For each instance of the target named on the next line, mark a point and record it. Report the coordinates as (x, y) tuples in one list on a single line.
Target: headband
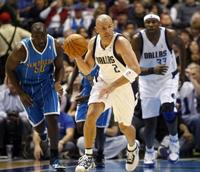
[(151, 16)]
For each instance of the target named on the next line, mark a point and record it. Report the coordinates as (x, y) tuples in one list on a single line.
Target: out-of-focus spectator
[(55, 16), (166, 20), (76, 20), (185, 12), (32, 15), (120, 22), (195, 52), (5, 7), (120, 6), (137, 14), (15, 128), (9, 37)]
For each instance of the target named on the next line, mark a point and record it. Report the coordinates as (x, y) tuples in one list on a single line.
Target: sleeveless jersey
[(111, 66), (38, 66), (154, 55)]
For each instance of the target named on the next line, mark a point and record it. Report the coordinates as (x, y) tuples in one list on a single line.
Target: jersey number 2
[(116, 68)]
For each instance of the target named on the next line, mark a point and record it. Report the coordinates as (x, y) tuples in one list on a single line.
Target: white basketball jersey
[(154, 55), (111, 65)]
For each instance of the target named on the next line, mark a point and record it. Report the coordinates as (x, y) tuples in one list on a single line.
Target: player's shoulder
[(170, 32)]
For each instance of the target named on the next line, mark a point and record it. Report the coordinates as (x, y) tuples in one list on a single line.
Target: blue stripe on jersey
[(38, 67)]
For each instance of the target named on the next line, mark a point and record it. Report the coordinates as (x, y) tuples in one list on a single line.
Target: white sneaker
[(84, 164), (149, 158), (132, 159), (173, 150)]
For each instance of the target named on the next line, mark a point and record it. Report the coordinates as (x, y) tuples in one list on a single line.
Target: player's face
[(151, 24), (39, 38), (105, 29)]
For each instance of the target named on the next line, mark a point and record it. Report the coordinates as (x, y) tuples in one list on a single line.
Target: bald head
[(38, 27), (101, 19)]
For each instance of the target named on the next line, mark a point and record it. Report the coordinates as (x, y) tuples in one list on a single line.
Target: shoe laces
[(85, 161)]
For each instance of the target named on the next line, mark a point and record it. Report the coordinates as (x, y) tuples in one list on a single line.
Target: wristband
[(130, 75)]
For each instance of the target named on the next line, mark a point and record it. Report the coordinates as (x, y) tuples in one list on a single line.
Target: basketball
[(75, 45)]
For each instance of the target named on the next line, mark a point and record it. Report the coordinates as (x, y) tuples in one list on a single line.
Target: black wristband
[(151, 70)]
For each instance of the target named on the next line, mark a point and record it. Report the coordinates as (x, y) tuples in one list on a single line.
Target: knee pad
[(167, 110)]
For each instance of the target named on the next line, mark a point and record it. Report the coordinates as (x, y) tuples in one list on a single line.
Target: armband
[(130, 75)]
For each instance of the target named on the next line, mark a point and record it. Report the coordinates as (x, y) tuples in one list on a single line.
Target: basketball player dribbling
[(118, 68), (158, 83)]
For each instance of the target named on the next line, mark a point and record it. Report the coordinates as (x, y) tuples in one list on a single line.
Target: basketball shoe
[(85, 163), (55, 165), (132, 158), (149, 157), (173, 150)]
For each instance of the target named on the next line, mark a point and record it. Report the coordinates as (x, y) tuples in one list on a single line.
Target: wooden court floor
[(184, 165)]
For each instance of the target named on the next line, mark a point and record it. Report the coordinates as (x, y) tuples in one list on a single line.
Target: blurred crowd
[(64, 17)]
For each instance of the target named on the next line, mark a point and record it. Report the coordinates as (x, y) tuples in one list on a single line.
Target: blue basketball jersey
[(38, 66), (36, 76), (87, 81)]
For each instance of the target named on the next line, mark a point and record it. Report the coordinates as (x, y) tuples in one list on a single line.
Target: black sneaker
[(100, 161), (85, 163), (56, 166)]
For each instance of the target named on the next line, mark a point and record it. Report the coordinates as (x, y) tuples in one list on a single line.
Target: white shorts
[(166, 92), (122, 100)]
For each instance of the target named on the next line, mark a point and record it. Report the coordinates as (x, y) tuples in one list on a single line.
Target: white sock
[(89, 152), (131, 148)]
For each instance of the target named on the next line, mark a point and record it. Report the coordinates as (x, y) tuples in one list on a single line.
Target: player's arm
[(137, 44), (17, 56), (124, 49), (59, 68), (173, 38), (86, 65)]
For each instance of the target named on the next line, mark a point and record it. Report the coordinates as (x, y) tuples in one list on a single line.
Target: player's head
[(104, 26), (151, 22), (39, 34)]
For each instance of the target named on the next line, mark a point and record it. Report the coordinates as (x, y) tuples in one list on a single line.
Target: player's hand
[(25, 99), (160, 69), (58, 88), (38, 153), (104, 92), (60, 145)]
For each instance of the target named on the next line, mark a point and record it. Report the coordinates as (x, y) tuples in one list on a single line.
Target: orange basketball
[(75, 45)]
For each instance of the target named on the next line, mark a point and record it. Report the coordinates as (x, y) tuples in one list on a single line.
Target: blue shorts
[(102, 121), (45, 102)]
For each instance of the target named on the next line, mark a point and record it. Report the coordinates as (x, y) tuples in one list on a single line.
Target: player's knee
[(123, 127), (167, 110)]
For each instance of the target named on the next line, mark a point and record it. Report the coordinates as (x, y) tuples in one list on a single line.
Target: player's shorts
[(102, 121), (122, 100), (45, 102), (166, 93)]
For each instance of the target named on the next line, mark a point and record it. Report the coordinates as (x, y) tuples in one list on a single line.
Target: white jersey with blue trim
[(111, 65), (154, 55)]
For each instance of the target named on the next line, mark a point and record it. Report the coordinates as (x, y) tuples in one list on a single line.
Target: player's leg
[(51, 112), (94, 111), (167, 110), (150, 111), (102, 123), (123, 113)]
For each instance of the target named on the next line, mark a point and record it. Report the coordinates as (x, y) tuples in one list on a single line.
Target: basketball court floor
[(184, 165)]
